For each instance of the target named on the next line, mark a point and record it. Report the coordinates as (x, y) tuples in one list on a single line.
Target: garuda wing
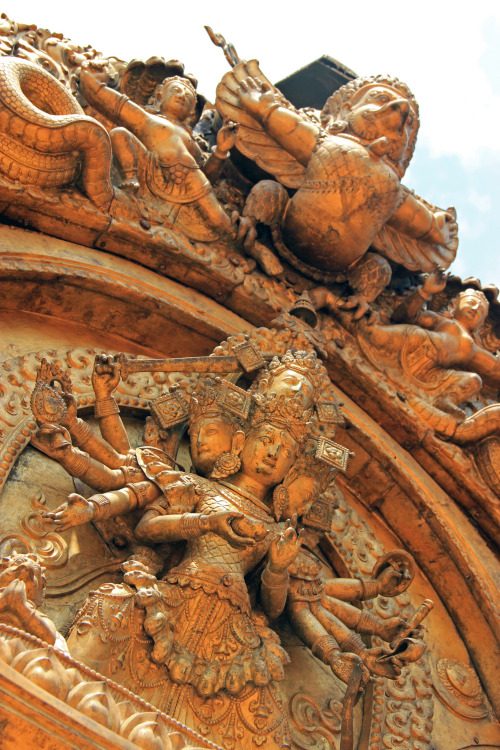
[(413, 254), (251, 139)]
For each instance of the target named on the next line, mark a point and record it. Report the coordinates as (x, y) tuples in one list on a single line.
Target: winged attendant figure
[(343, 173)]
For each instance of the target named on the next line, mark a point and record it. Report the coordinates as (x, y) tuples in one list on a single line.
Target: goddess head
[(216, 410)]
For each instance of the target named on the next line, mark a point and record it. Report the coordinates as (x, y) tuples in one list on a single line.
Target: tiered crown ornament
[(216, 397), (305, 363), (287, 413)]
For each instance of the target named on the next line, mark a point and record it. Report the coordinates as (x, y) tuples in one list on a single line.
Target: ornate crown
[(303, 362), (217, 397), (288, 413)]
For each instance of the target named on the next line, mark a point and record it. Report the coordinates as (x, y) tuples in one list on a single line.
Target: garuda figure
[(345, 167)]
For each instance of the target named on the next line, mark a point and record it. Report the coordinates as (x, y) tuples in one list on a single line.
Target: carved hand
[(256, 97), (76, 511), (435, 282), (390, 668), (391, 628), (106, 376), (71, 417), (98, 68), (285, 547), (226, 137), (342, 666), (221, 523), (389, 578), (53, 440), (444, 230)]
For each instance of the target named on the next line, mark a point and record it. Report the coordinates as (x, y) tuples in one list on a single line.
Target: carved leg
[(463, 386), (125, 149), (367, 277), (266, 204)]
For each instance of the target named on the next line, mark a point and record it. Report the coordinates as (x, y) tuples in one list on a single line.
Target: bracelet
[(102, 507), (193, 525), (265, 117), (370, 589), (79, 463), (81, 433), (426, 297), (426, 234), (367, 623), (131, 474), (353, 644), (274, 580), (141, 491), (219, 154), (323, 646), (105, 407)]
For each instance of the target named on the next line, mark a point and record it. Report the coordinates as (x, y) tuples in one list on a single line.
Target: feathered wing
[(413, 254), (252, 140)]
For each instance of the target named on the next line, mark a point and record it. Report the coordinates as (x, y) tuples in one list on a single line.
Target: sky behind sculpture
[(448, 54)]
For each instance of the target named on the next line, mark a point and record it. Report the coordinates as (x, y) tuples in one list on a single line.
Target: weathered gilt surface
[(216, 534)]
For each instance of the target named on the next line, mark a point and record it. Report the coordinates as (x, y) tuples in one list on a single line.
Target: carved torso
[(347, 196)]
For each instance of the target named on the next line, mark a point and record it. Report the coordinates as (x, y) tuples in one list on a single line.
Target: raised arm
[(410, 309), (55, 441), (117, 107), (296, 134), (274, 581), (105, 378)]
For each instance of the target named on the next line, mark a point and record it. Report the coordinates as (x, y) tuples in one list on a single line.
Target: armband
[(81, 433), (267, 114), (79, 463)]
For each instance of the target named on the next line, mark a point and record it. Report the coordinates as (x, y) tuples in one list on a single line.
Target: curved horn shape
[(45, 138)]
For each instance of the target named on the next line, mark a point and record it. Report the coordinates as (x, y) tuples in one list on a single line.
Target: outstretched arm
[(170, 528), (117, 107), (296, 134), (85, 438), (416, 220), (55, 441)]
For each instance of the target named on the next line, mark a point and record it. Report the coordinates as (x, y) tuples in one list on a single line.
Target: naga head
[(380, 109)]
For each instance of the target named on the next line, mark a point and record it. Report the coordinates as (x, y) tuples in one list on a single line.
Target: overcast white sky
[(447, 52)]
